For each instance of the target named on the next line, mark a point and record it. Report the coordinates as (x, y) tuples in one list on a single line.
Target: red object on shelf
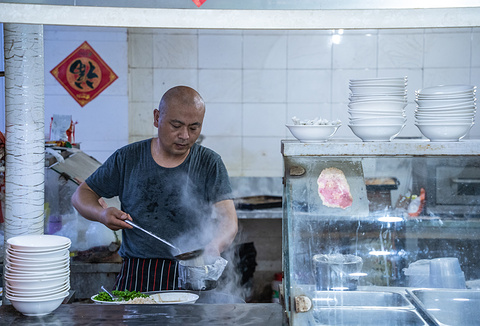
[(199, 2)]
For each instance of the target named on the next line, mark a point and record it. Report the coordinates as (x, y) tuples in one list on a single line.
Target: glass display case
[(364, 222)]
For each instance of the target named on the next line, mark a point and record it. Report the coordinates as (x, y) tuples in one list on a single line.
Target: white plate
[(38, 241), (174, 297), (35, 259)]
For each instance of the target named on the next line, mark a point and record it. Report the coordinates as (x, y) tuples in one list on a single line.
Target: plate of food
[(123, 297), (174, 297)]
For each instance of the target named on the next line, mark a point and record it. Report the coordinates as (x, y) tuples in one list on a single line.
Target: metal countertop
[(188, 314)]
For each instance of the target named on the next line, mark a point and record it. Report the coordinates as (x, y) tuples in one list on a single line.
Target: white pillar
[(24, 130)]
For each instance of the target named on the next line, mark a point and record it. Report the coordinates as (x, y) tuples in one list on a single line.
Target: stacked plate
[(377, 107), (37, 273), (445, 112)]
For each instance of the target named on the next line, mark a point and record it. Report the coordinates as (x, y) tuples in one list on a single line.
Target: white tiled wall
[(103, 123), (255, 81)]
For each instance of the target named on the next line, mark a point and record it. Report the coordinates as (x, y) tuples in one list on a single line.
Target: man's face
[(179, 127)]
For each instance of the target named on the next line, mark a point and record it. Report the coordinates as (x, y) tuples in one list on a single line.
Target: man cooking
[(168, 185)]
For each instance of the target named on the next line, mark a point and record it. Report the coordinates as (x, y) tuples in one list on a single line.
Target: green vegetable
[(122, 295)]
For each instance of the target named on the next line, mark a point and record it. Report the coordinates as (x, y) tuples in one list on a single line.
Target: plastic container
[(418, 273)]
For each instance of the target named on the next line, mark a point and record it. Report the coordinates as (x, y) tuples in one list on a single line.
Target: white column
[(24, 129)]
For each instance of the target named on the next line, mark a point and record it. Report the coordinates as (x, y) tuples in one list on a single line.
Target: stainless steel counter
[(185, 315)]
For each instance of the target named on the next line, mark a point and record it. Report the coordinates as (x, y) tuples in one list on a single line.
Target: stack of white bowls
[(445, 112), (377, 107), (37, 273)]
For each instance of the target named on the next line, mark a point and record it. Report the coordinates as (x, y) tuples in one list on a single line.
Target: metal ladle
[(180, 256)]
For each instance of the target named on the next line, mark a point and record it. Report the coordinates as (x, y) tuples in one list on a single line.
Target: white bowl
[(313, 133), (37, 307), (38, 255), (44, 273), (378, 120), (378, 105), (376, 132), (380, 80), (446, 89), (445, 115), (29, 294), (35, 257), (34, 290), (38, 241), (394, 90), (444, 102), (376, 113), (38, 266), (455, 106), (37, 282), (174, 297), (443, 122), (442, 132)]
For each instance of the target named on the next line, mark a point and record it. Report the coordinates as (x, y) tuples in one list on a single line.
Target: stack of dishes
[(377, 107), (445, 112), (37, 273)]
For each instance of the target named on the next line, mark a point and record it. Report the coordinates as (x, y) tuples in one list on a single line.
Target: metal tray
[(361, 299), (448, 306), (367, 317)]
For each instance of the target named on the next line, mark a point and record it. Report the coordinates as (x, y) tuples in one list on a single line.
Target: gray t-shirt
[(174, 203)]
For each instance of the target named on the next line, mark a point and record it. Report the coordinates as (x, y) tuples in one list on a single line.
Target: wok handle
[(152, 235)]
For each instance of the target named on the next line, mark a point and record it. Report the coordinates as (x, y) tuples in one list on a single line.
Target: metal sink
[(360, 299), (449, 306), (367, 317)]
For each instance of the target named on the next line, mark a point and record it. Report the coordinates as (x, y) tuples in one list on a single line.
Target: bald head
[(181, 96)]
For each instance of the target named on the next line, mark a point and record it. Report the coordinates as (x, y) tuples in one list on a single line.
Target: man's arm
[(227, 227), (88, 204)]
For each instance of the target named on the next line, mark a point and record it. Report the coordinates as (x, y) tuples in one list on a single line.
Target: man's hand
[(114, 219)]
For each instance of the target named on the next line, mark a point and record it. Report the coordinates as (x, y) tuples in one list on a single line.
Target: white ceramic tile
[(264, 86), (309, 51), (83, 33), (260, 119), (140, 119), (444, 50), (164, 79), (230, 149), (220, 32), (401, 31), (175, 51), (311, 32), (476, 49), (176, 31), (141, 82), (222, 119), (355, 51), (263, 32), (475, 79), (265, 51), (140, 50), (220, 51), (400, 50), (448, 30), (262, 156), (341, 79), (309, 85), (445, 76), (220, 85)]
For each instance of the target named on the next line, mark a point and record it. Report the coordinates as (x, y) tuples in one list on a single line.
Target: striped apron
[(143, 275)]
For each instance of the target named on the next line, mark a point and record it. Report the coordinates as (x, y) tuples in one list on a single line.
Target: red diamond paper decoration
[(84, 74), (199, 2)]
